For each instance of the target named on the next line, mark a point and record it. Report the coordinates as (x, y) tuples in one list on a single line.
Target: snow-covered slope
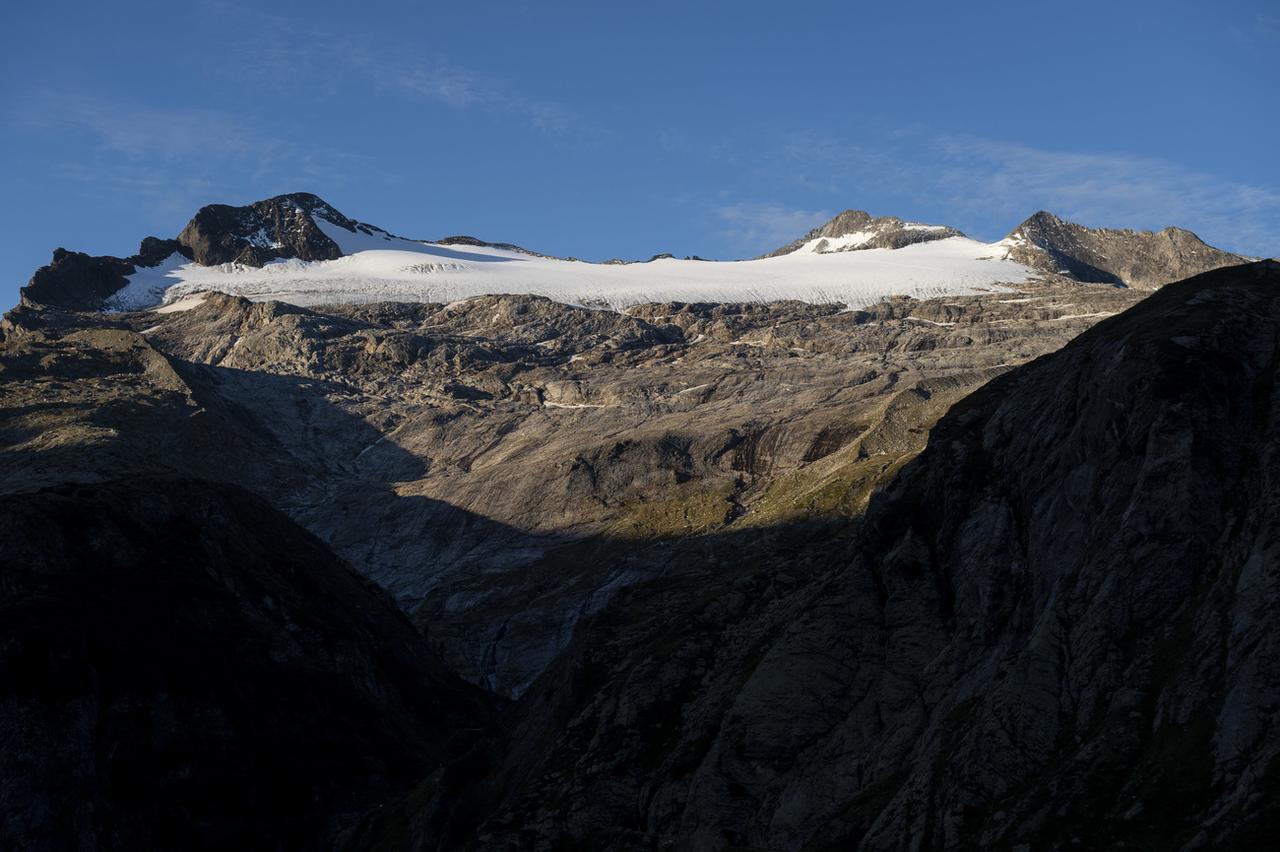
[(380, 267)]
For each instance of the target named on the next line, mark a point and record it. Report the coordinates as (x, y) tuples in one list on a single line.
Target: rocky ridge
[(184, 667), (285, 227), (1139, 259)]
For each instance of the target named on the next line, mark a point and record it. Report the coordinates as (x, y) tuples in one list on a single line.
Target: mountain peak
[(857, 229), (278, 227), (1142, 259)]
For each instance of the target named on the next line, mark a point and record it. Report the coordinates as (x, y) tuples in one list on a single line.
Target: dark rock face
[(280, 227), (1054, 627), (888, 232), (185, 668), (73, 279), (275, 228), (81, 282), (1140, 259)]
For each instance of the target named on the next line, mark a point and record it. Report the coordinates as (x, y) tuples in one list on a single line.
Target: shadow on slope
[(1054, 627), (183, 667)]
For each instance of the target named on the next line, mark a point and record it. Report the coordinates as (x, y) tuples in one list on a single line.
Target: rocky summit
[(979, 561), (1140, 259)]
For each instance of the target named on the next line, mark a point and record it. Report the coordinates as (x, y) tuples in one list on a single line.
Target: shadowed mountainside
[(183, 667), (1053, 627)]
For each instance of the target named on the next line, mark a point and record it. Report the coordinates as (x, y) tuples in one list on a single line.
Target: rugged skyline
[(297, 248), (716, 130)]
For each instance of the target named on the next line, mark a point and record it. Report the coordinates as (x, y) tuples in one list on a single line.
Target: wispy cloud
[(454, 86), (754, 227), (173, 160), (295, 55), (143, 131), (1107, 189), (1262, 31), (973, 179)]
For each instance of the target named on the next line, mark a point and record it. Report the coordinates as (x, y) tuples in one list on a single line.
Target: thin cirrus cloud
[(1109, 190), (140, 131), (989, 184), (173, 158), (293, 55), (756, 227), (462, 88)]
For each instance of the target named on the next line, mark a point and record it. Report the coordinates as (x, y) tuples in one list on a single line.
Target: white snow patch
[(148, 285), (822, 245), (184, 304), (1084, 316)]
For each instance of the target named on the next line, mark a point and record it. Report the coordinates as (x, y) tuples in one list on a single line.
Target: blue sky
[(602, 130)]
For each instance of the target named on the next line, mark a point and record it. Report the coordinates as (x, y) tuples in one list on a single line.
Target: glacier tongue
[(381, 267)]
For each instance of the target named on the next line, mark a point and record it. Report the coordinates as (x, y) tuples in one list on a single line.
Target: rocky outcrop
[(265, 230), (280, 227), (1140, 259), (185, 668), (82, 282), (887, 232)]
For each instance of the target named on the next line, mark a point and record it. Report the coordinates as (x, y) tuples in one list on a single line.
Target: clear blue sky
[(599, 129)]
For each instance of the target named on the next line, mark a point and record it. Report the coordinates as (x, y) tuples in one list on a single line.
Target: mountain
[(1140, 259), (82, 282), (280, 227), (963, 570), (856, 229), (298, 249)]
